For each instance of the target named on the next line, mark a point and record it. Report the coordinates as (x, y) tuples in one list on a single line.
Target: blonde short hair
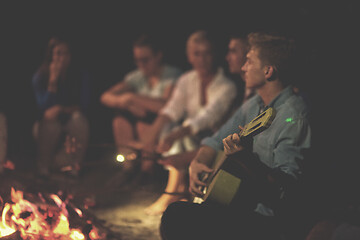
[(276, 50), (199, 36)]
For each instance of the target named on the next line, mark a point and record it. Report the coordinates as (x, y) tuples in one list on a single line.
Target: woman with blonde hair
[(201, 99)]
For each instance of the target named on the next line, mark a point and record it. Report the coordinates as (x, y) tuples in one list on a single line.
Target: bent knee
[(78, 116), (78, 120)]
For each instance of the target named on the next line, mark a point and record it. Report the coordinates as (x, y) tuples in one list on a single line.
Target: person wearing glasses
[(138, 97)]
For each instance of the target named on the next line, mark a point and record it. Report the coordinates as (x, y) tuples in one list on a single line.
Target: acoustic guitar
[(229, 175)]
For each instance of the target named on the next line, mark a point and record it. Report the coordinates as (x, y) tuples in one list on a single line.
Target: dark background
[(102, 33)]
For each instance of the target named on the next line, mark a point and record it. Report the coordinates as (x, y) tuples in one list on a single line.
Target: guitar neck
[(254, 127)]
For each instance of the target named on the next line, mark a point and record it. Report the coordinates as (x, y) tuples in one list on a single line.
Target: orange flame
[(30, 221), (94, 234)]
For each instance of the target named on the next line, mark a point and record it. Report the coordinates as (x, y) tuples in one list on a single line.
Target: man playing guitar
[(271, 159)]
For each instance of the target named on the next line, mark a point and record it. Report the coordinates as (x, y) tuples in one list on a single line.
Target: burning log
[(13, 236), (48, 216)]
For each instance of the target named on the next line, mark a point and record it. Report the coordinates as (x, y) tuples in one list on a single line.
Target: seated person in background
[(236, 57), (63, 94), (202, 97), (3, 141), (139, 97), (273, 157), (178, 163)]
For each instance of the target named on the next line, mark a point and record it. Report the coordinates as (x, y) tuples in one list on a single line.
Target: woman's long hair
[(72, 80), (44, 67)]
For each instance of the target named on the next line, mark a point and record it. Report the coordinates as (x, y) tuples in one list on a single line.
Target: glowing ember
[(76, 235), (41, 221), (79, 212)]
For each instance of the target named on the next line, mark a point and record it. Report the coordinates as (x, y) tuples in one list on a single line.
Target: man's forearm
[(152, 137), (110, 97), (108, 100), (148, 103), (206, 155)]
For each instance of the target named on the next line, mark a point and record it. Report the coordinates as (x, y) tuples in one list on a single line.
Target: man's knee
[(78, 121), (78, 117), (48, 127)]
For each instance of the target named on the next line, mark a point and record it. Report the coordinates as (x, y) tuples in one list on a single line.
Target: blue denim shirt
[(282, 144)]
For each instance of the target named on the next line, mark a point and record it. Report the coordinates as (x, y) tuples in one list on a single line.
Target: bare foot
[(136, 145), (160, 205)]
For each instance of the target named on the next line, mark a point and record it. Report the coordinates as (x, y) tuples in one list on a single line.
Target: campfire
[(46, 216)]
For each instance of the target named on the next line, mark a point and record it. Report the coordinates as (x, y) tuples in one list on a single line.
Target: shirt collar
[(217, 76), (278, 100)]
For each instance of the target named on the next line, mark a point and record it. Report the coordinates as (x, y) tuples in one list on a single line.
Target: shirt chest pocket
[(263, 146)]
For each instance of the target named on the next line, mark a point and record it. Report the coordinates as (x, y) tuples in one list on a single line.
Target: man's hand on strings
[(232, 143), (197, 169)]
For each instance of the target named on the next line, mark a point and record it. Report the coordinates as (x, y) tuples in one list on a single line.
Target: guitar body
[(232, 180), (233, 184), (223, 188)]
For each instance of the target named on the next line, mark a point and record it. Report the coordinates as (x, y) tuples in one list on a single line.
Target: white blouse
[(185, 101)]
